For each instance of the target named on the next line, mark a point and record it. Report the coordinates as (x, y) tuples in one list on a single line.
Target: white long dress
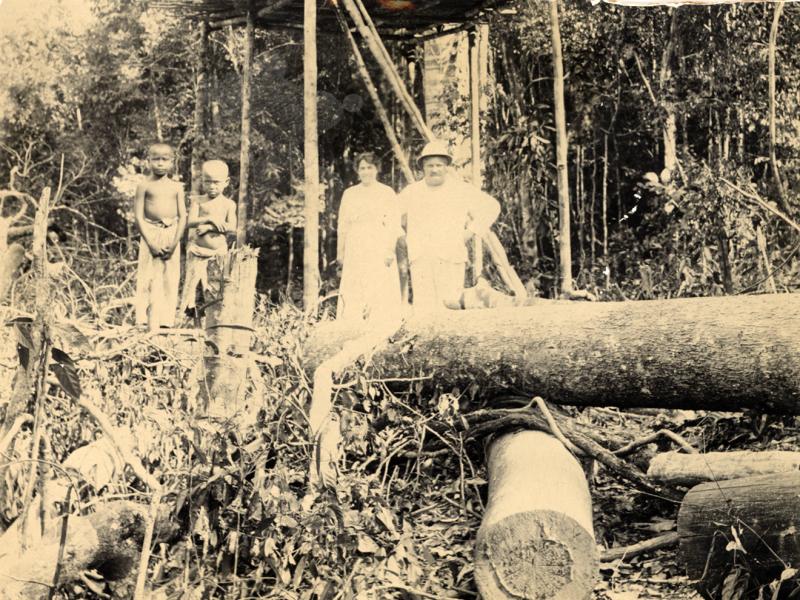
[(369, 225)]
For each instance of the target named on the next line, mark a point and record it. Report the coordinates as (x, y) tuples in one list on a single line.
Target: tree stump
[(229, 331), (751, 522), (536, 540)]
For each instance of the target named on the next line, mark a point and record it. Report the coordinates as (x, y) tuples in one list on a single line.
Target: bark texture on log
[(764, 512), (536, 540), (107, 540), (675, 468), (722, 353)]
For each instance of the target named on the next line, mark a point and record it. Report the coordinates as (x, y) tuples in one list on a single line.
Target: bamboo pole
[(475, 140), (200, 99), (367, 31), (244, 155), (311, 159), (401, 157), (565, 249)]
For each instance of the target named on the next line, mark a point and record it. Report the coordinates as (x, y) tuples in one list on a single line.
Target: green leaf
[(24, 355), (62, 357), (68, 379), (366, 545), (23, 331)]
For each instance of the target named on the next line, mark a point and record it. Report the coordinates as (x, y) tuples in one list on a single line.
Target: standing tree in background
[(564, 245)]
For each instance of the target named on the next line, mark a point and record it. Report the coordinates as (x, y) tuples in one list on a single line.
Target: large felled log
[(752, 522), (536, 540), (722, 353), (674, 468)]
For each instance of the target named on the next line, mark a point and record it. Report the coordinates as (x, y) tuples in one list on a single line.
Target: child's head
[(215, 177), (160, 158)]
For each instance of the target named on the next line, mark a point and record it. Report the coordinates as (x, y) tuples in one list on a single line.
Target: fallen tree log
[(108, 540), (675, 468), (752, 523), (536, 540), (722, 353)]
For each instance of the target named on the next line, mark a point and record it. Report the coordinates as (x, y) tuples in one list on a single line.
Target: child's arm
[(181, 206), (195, 221), (138, 214)]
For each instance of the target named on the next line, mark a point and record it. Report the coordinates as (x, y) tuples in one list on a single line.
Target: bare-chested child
[(160, 213), (212, 217)]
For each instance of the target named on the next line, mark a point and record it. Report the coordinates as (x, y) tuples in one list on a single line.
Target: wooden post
[(565, 248), (244, 156), (200, 99), (475, 139), (311, 159), (536, 539)]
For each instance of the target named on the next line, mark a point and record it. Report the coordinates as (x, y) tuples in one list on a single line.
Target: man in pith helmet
[(440, 214)]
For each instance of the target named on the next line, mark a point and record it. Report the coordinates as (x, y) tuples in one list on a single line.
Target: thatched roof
[(397, 17)]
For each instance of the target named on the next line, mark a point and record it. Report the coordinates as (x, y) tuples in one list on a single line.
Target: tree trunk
[(229, 329), (773, 160), (751, 523), (761, 241), (723, 353), (536, 540), (666, 91), (675, 468), (200, 101), (475, 140), (564, 246), (310, 160), (244, 151)]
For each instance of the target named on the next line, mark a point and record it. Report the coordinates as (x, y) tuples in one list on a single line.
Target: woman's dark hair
[(367, 157)]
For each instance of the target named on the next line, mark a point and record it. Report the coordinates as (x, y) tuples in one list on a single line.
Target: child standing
[(211, 217), (160, 214)]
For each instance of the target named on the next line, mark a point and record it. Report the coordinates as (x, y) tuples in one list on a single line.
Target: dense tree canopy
[(95, 91)]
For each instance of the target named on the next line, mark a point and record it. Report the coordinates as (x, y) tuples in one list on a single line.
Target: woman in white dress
[(369, 226)]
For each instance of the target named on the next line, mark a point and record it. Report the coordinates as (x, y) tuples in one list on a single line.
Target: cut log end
[(535, 555)]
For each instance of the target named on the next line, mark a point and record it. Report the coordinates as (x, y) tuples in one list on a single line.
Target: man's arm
[(483, 214), (483, 211)]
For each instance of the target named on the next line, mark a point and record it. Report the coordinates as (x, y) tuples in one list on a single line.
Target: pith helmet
[(435, 148)]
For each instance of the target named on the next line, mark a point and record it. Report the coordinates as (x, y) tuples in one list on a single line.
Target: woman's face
[(367, 172)]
